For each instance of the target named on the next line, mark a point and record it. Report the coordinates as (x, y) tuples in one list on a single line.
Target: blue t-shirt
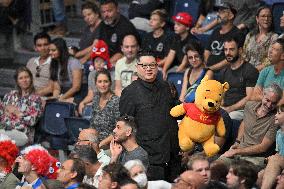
[(280, 142), (267, 76)]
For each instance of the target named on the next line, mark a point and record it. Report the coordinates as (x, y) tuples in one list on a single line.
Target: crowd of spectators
[(117, 79)]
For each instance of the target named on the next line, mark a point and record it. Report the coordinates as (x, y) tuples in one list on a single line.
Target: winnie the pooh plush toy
[(202, 117)]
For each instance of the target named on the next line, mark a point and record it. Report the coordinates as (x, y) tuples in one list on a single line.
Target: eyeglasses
[(128, 118), (38, 69), (145, 66)]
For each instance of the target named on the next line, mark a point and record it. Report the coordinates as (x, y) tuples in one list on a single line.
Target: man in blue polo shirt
[(273, 73)]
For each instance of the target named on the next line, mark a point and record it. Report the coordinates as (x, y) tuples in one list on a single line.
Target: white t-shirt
[(159, 184), (124, 72)]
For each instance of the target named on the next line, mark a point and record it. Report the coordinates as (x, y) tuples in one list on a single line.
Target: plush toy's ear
[(205, 78), (226, 86)]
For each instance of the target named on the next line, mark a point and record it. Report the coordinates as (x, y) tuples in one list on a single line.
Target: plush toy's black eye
[(205, 97), (220, 95)]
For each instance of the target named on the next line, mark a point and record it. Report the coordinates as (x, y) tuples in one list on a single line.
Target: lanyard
[(37, 184), (73, 186)]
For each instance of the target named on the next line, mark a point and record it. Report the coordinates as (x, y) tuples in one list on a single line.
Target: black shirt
[(178, 46), (216, 44), (244, 76), (159, 46), (87, 37), (113, 35), (150, 104)]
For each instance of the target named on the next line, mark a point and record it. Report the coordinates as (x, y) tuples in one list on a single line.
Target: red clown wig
[(39, 158), (8, 151)]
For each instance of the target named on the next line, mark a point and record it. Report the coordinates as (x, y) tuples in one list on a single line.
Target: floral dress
[(104, 120), (30, 107), (256, 53)]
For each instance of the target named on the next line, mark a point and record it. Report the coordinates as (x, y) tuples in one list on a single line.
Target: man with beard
[(124, 147), (113, 29), (242, 175), (257, 132), (214, 54), (241, 77)]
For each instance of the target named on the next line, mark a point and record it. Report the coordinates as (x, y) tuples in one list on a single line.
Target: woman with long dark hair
[(66, 72), (195, 73), (105, 105), (258, 41), (20, 109)]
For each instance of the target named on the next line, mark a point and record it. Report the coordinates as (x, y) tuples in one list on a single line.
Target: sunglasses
[(38, 69), (128, 118)]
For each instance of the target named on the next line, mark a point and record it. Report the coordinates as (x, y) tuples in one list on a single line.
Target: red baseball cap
[(183, 18)]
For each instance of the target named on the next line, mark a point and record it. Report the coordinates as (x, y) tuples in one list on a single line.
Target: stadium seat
[(176, 78), (277, 12), (74, 126), (189, 6)]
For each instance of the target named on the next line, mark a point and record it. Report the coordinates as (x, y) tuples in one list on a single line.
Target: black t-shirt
[(178, 46), (87, 37), (216, 44), (113, 35), (245, 76), (159, 46)]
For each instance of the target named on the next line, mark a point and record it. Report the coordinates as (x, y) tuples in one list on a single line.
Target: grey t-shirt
[(73, 64), (91, 81), (137, 153)]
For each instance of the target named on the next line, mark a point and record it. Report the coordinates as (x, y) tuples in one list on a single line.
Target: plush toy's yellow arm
[(221, 130), (177, 110)]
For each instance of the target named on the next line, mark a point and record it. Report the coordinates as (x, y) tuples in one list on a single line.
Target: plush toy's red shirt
[(196, 114)]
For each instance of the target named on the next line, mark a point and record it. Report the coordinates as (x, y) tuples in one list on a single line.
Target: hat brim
[(179, 21)]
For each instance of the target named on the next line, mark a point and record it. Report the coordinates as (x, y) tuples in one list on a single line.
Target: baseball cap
[(183, 18), (226, 5)]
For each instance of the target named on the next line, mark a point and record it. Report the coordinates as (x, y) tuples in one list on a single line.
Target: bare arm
[(241, 131), (115, 58), (206, 55), (83, 52), (219, 65), (86, 51), (257, 93), (183, 64), (76, 84), (240, 104), (86, 100), (210, 74), (255, 149), (117, 89), (169, 60), (184, 86)]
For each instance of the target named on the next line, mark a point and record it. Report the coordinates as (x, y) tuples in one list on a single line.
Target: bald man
[(90, 137), (189, 180)]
